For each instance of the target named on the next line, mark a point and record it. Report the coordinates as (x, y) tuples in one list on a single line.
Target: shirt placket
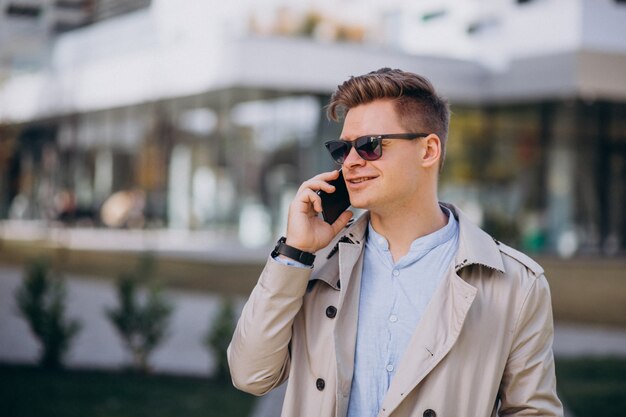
[(392, 325)]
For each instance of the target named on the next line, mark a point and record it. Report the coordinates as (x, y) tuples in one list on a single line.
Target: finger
[(317, 185), (309, 198), (325, 176)]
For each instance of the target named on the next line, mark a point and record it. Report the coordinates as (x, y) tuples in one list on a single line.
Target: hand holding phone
[(306, 230), (335, 203)]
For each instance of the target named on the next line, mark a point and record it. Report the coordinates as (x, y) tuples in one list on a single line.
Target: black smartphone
[(333, 204)]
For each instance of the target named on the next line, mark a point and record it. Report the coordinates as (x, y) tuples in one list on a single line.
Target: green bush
[(41, 301), (37, 392), (218, 338), (143, 313), (592, 386)]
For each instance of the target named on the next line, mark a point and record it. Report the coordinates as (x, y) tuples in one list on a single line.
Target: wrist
[(303, 247), (284, 249)]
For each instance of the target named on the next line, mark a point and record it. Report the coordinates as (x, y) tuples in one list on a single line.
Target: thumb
[(341, 221)]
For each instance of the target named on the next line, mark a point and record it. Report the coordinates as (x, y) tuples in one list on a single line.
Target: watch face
[(275, 252)]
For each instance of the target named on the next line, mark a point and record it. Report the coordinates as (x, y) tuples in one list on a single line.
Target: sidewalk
[(576, 340)]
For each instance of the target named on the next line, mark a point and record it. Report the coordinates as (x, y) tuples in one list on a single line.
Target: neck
[(402, 226)]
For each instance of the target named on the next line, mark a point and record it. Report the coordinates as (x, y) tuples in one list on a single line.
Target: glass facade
[(548, 177)]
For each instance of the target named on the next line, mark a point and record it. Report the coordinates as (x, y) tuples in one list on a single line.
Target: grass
[(27, 391), (588, 387), (593, 387)]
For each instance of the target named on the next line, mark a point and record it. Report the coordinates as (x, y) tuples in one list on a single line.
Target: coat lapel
[(433, 338), (441, 323), (350, 267)]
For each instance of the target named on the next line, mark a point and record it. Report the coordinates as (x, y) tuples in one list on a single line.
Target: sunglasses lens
[(338, 150), (369, 149)]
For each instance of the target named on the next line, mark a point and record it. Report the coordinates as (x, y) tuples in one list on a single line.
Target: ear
[(431, 151)]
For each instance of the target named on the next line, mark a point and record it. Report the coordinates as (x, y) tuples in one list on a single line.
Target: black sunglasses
[(368, 147)]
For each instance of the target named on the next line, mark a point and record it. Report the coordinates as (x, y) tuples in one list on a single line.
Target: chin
[(360, 203)]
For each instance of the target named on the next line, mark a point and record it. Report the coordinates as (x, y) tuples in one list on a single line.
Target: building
[(208, 118)]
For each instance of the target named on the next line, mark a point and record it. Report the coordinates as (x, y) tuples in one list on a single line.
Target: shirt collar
[(421, 244), (475, 245)]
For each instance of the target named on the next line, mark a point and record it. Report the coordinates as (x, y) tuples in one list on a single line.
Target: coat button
[(331, 312), (430, 413), (320, 384)]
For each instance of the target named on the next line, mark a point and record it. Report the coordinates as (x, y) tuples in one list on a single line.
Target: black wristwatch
[(282, 248)]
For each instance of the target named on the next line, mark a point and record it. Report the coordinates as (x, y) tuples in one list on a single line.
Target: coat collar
[(476, 247), (351, 239), (358, 229)]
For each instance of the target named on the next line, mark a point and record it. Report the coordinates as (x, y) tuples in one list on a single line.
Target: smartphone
[(333, 204)]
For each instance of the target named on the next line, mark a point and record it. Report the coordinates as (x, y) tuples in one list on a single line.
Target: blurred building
[(189, 115), (28, 27)]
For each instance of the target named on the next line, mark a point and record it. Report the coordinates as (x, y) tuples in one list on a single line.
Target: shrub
[(218, 337), (142, 317), (41, 301)]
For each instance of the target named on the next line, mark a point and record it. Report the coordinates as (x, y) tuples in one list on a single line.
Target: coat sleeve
[(258, 355), (528, 386)]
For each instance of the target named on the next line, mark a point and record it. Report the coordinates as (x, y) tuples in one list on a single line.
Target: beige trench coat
[(482, 348)]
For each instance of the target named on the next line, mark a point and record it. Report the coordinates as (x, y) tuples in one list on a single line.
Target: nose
[(353, 159)]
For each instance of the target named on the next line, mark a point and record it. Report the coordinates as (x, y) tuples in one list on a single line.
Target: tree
[(143, 313), (41, 301)]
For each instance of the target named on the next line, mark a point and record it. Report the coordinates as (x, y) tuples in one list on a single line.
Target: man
[(411, 310)]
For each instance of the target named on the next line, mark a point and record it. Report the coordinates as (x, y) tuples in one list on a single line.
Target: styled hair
[(417, 104)]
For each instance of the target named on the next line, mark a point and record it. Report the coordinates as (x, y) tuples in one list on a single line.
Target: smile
[(360, 180)]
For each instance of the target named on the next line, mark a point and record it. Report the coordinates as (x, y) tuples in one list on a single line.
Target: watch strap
[(296, 254)]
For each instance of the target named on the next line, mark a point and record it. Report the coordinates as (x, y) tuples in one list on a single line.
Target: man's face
[(392, 182)]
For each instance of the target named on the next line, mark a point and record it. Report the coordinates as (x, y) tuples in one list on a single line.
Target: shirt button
[(396, 272), (331, 312), (320, 384), (390, 368), (429, 413), (393, 318)]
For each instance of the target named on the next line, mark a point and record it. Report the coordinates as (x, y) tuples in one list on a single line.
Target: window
[(23, 10)]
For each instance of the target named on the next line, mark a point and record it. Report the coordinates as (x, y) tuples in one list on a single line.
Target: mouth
[(359, 180)]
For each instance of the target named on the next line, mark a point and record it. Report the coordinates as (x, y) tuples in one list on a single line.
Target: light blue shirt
[(392, 301)]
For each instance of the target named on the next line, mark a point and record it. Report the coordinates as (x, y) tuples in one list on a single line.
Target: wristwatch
[(282, 248)]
